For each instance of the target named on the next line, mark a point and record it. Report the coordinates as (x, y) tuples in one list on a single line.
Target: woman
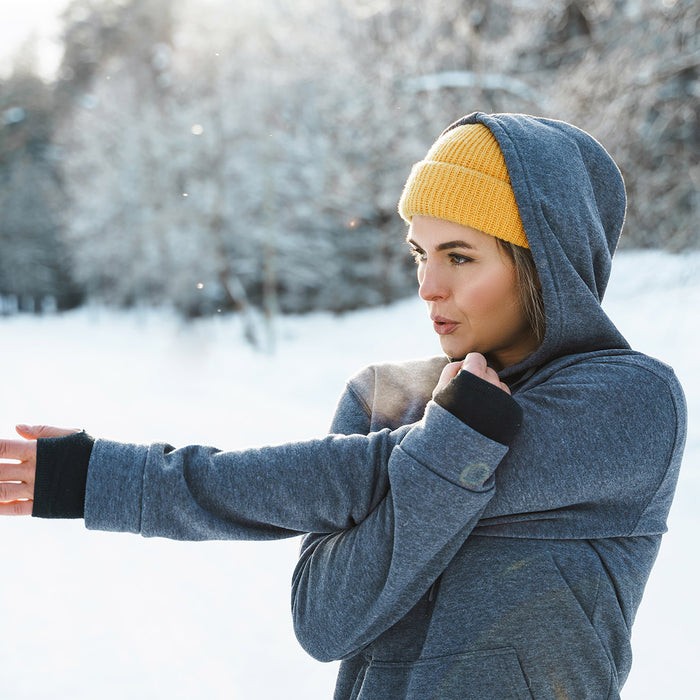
[(493, 542)]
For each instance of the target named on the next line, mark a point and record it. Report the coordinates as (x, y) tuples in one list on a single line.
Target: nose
[(431, 283)]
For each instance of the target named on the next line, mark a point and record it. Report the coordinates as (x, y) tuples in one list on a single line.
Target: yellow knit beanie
[(464, 179)]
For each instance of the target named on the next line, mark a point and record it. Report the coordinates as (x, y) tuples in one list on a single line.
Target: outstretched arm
[(323, 485), (395, 505), (195, 492)]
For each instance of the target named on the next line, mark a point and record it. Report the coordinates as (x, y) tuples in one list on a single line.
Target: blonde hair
[(529, 285)]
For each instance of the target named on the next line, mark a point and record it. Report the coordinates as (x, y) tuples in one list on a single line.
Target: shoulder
[(608, 427), (611, 397), (396, 374), (612, 371), (395, 393)]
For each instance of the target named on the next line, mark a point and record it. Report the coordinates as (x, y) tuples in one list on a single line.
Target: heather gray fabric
[(552, 574), (442, 564)]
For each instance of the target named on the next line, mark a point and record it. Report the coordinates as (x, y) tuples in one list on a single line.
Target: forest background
[(247, 156)]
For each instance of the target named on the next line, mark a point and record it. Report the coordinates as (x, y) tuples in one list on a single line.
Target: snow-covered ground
[(96, 615)]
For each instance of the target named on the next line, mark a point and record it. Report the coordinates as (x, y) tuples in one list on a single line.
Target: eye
[(417, 255), (457, 259)]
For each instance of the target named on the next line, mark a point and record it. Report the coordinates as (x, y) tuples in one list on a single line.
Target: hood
[(571, 199)]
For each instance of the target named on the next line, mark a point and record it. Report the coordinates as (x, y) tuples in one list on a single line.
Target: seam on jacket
[(612, 582), (613, 682), (597, 588), (574, 596), (613, 689), (612, 675), (144, 471), (360, 399), (674, 444), (617, 360)]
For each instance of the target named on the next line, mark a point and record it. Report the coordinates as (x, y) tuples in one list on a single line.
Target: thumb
[(34, 432)]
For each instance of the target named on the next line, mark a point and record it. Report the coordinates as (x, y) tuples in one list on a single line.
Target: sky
[(27, 18)]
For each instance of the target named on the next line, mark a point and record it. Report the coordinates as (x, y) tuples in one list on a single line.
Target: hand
[(18, 467), (475, 363)]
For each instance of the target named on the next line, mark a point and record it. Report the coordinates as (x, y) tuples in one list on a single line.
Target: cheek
[(512, 311), (492, 297), (494, 304), (510, 295)]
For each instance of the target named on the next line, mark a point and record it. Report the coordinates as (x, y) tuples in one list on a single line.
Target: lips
[(442, 325)]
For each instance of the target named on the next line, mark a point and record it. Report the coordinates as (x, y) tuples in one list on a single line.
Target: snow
[(88, 615)]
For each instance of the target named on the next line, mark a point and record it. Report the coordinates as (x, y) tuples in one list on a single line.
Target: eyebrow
[(449, 245)]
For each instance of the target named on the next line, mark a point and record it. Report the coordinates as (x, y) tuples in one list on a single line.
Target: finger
[(10, 491), (17, 508), (504, 387), (17, 472), (33, 432), (490, 375), (449, 372), (475, 363), (17, 449)]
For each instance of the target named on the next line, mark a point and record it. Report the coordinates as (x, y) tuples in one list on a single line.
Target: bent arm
[(351, 586)]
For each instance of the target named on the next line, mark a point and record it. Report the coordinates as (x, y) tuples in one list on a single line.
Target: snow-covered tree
[(33, 265), (220, 155)]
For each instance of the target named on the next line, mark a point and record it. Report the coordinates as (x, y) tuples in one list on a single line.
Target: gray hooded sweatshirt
[(448, 558)]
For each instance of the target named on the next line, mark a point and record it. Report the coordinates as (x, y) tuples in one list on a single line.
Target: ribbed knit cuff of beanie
[(61, 476), (482, 406)]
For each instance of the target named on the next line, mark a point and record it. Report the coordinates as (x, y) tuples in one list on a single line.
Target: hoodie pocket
[(493, 674)]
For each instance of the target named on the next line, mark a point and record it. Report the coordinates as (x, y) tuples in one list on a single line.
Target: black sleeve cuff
[(482, 406), (61, 476)]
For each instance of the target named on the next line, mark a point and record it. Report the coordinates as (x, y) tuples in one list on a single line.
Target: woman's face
[(470, 286)]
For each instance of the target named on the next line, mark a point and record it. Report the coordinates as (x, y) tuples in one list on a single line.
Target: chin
[(454, 351)]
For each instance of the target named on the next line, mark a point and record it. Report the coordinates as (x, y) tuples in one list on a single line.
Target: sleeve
[(200, 493), (597, 456), (352, 585)]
